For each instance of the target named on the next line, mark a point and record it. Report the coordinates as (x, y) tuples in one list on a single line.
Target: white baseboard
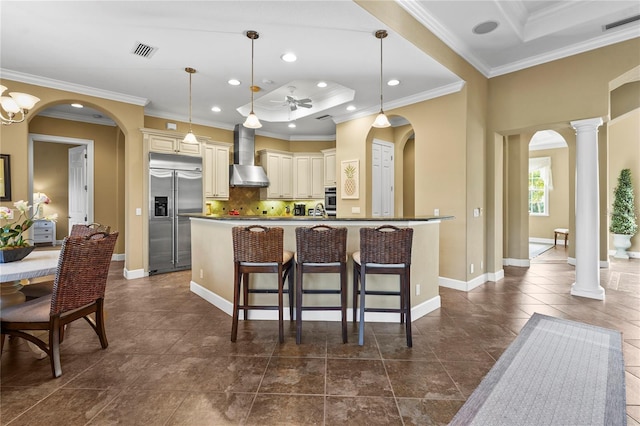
[(522, 263), (462, 285), (495, 276), (118, 257), (133, 274), (225, 306)]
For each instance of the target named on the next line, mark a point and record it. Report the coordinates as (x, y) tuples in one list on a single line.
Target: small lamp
[(190, 137), (252, 121), (381, 120)]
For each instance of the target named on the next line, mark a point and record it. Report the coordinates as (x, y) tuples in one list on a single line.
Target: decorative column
[(587, 239)]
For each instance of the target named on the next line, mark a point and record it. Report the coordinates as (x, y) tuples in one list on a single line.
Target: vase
[(621, 242), (14, 254)]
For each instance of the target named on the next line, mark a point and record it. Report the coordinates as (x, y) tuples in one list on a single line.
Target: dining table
[(13, 275)]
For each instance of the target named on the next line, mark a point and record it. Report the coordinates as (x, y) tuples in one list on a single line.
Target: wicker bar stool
[(383, 250), (321, 249), (258, 249)]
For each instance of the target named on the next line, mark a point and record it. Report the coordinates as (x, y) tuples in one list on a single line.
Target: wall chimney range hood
[(243, 172)]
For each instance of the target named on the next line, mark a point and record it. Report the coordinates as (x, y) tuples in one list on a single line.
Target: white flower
[(22, 206), (5, 212)]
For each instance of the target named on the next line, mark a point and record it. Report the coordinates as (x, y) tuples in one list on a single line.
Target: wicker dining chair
[(321, 249), (45, 288), (259, 249), (78, 291), (383, 250)]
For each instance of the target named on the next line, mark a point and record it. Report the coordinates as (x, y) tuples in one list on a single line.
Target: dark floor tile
[(112, 371), (140, 407), (17, 400), (287, 410), (361, 411), (421, 379), (294, 375), (212, 408), (357, 377), (395, 347), (467, 375), (428, 412)]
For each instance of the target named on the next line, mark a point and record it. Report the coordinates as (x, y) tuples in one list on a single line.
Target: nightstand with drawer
[(44, 232)]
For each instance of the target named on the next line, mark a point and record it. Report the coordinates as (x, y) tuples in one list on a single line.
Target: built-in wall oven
[(330, 200)]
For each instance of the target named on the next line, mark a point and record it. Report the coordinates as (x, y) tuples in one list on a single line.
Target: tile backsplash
[(247, 202)]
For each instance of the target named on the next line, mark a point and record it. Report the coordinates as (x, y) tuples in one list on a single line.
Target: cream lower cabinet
[(216, 171), (308, 176), (329, 167), (279, 168)]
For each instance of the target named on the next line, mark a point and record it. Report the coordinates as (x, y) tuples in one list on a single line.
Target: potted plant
[(13, 244), (623, 218)]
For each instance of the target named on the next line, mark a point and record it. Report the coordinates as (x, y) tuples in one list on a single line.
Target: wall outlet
[(471, 268), (476, 212), (436, 212), (355, 210), (172, 126), (417, 289), (201, 273), (481, 265), (138, 211)]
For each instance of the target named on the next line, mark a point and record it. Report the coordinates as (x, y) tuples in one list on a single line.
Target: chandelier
[(16, 106)]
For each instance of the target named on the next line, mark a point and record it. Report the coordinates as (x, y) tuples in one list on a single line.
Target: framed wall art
[(350, 179), (5, 178)]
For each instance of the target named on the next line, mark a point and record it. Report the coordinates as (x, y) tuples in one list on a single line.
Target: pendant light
[(252, 121), (381, 120), (190, 137)]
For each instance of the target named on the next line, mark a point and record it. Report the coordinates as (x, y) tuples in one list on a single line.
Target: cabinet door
[(286, 177), (162, 144), (316, 174), (302, 177), (330, 169), (209, 171), (222, 172), (189, 148), (273, 173)]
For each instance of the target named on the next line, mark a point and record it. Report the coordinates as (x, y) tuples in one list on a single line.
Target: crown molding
[(71, 87)]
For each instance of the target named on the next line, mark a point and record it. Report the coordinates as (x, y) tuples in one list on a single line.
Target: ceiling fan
[(294, 103)]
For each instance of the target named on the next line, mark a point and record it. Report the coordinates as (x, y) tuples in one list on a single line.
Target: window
[(539, 185)]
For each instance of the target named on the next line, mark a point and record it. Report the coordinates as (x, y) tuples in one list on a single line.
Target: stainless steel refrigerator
[(175, 187)]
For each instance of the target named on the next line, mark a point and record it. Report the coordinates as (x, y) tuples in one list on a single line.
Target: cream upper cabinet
[(308, 175), (216, 170), (279, 168), (329, 167), (170, 143)]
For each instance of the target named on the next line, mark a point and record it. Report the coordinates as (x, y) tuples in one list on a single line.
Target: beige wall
[(543, 226), (624, 147), (409, 176), (108, 170)]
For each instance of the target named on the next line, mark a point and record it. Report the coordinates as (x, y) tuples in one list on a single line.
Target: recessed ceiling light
[(216, 109), (292, 125), (485, 27), (351, 108), (393, 82), (321, 84), (289, 57), (77, 105), (234, 82)]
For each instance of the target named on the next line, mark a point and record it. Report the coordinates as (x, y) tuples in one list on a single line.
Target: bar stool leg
[(280, 305), (343, 300), (244, 284), (299, 273), (362, 293), (356, 277), (236, 302), (406, 291)]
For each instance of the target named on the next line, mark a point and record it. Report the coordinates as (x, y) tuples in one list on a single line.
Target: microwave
[(330, 199)]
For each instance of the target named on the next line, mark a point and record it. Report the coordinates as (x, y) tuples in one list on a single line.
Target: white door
[(382, 183), (78, 199)]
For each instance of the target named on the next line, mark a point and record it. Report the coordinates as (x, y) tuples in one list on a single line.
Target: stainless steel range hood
[(243, 171)]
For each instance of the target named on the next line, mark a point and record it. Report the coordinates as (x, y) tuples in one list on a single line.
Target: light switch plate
[(138, 211)]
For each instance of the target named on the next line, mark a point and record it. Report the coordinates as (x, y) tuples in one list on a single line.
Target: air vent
[(323, 117), (621, 22), (143, 50)]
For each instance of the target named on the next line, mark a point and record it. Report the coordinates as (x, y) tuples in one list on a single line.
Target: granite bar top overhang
[(316, 218)]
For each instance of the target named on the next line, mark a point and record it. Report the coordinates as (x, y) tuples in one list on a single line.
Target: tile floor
[(170, 361)]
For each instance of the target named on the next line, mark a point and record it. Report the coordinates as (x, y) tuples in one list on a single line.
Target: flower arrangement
[(11, 235)]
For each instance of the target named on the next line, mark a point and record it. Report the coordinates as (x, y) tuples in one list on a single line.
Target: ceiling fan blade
[(305, 105), (303, 101)]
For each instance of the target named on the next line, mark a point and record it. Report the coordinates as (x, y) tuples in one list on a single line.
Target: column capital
[(587, 124)]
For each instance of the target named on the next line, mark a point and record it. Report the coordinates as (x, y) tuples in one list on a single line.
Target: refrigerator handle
[(174, 219)]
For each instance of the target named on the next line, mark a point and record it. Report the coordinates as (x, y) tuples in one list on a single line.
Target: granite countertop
[(317, 218)]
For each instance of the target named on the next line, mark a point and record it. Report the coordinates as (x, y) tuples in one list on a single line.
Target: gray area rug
[(556, 372)]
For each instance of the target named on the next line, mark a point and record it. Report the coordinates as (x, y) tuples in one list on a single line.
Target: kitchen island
[(212, 264)]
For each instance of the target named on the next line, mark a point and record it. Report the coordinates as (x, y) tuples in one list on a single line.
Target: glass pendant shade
[(24, 100), (190, 138), (9, 105), (381, 121), (252, 121)]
